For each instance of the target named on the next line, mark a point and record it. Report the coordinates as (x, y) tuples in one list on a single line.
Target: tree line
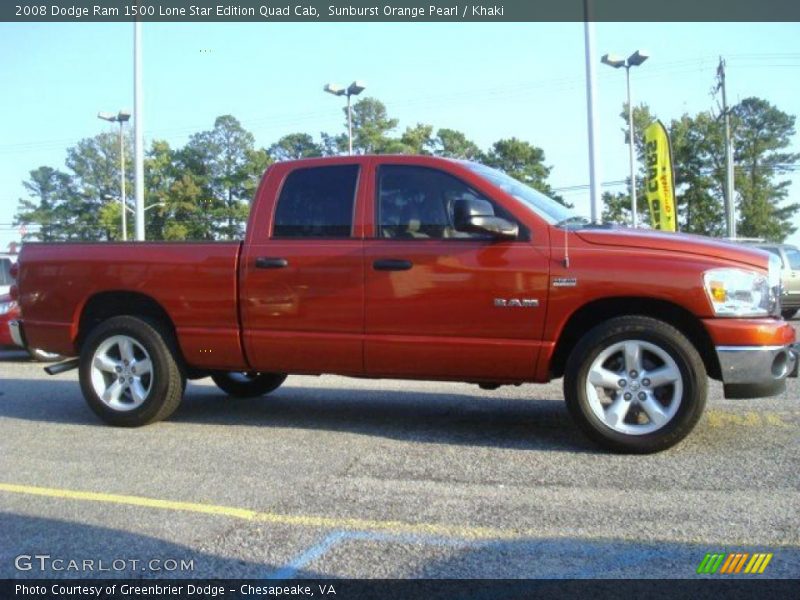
[(761, 136), (202, 191)]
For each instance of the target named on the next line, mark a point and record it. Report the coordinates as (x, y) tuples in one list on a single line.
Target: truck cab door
[(302, 273), (441, 303)]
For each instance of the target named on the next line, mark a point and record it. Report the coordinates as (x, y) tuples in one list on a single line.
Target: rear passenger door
[(303, 281)]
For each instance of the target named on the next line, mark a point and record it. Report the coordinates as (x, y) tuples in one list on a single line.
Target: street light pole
[(634, 60), (591, 93), (634, 207), (354, 89), (349, 127), (138, 128), (121, 117), (122, 184)]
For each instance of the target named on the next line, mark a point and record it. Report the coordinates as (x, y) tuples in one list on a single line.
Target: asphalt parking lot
[(335, 477)]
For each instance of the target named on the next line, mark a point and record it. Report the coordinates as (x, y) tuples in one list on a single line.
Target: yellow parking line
[(397, 527), (720, 418), (312, 521), (196, 507)]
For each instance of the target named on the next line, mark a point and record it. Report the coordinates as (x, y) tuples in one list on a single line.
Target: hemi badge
[(564, 282)]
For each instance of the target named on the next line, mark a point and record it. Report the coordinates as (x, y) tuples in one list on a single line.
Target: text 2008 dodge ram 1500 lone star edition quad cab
[(416, 268)]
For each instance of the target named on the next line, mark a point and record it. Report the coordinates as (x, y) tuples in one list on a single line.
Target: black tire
[(656, 339), (42, 356), (789, 313), (247, 385), (165, 383)]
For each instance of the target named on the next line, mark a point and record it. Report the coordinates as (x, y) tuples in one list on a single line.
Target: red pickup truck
[(418, 268)]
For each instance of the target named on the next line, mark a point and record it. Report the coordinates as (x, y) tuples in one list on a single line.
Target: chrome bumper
[(17, 336), (756, 371)]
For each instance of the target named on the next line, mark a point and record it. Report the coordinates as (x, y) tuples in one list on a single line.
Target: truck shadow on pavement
[(26, 537), (413, 416)]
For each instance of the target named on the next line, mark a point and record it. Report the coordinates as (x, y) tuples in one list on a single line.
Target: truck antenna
[(566, 248)]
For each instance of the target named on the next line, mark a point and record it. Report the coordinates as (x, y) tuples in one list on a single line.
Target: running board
[(63, 366)]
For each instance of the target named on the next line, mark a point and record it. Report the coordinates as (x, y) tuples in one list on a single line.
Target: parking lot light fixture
[(634, 60), (121, 117), (354, 89), (129, 209)]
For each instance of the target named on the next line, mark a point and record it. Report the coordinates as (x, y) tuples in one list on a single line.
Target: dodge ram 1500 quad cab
[(418, 268)]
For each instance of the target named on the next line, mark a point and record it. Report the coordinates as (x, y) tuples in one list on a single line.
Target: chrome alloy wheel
[(634, 387), (122, 373)]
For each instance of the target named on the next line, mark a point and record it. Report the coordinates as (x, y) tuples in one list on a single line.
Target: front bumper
[(17, 333), (757, 371)]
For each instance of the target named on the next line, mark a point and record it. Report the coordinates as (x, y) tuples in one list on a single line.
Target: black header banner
[(316, 11)]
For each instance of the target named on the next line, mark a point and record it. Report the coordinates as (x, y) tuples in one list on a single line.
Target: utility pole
[(595, 193), (730, 204), (631, 151)]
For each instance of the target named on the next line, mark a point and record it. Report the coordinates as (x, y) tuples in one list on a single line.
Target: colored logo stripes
[(733, 563)]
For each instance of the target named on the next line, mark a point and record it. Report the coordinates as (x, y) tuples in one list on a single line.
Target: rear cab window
[(317, 202)]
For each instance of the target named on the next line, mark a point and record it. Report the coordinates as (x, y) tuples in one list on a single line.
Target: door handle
[(392, 264), (268, 262)]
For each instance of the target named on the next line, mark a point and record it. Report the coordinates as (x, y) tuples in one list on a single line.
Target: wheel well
[(596, 312), (105, 305)]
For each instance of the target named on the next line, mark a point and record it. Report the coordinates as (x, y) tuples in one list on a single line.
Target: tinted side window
[(417, 203), (317, 203)]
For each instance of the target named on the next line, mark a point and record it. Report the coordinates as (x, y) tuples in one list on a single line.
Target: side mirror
[(472, 215)]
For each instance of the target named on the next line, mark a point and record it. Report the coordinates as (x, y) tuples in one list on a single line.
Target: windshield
[(5, 272), (793, 254), (544, 206)]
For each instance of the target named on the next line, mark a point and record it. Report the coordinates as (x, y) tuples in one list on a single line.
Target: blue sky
[(487, 80)]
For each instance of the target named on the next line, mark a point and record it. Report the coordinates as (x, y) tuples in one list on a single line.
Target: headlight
[(7, 307), (741, 293)]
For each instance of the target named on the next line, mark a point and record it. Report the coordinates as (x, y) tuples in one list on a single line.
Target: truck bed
[(194, 283)]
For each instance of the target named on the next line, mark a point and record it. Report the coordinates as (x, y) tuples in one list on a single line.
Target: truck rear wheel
[(247, 384), (128, 372), (635, 384)]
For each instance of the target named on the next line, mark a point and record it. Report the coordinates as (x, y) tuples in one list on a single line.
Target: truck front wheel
[(128, 372), (247, 384), (635, 384)]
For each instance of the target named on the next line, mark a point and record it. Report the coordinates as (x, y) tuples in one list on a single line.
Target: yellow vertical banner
[(659, 182)]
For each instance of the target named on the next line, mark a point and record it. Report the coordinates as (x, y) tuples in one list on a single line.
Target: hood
[(675, 242)]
